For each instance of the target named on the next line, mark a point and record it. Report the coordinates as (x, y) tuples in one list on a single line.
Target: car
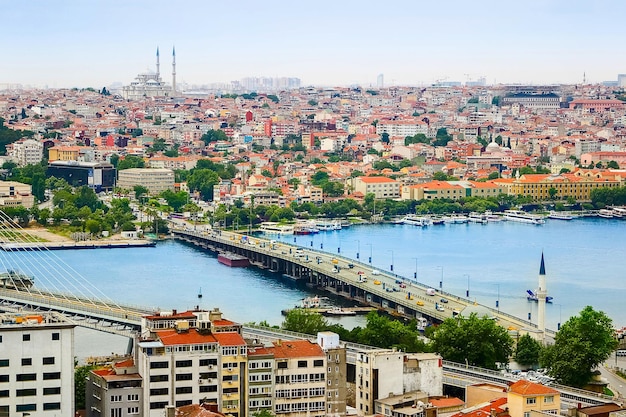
[(377, 282), (403, 285), (350, 266), (375, 272), (444, 300), (440, 308), (420, 303)]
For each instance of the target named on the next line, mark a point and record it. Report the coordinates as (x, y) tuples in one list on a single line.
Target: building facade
[(97, 175), (27, 152), (155, 180), (115, 391), (14, 194), (36, 366), (381, 187)]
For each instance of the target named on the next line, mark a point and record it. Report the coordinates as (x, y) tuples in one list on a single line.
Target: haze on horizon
[(74, 43)]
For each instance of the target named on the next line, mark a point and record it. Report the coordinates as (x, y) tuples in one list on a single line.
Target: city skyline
[(68, 43)]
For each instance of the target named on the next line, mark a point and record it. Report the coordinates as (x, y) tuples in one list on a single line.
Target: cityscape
[(260, 211)]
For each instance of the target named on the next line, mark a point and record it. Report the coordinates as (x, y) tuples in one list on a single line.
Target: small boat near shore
[(560, 215), (415, 220), (523, 217), (337, 312)]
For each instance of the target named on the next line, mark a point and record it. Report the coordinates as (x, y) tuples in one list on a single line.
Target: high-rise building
[(380, 81), (36, 365), (621, 80)]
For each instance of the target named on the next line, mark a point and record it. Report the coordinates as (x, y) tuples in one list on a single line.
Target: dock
[(87, 244), (328, 311)]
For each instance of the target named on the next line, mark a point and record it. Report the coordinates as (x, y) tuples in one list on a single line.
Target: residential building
[(36, 365), (260, 380), (453, 190), (16, 194), (71, 153), (525, 397), (300, 379), (156, 180), (27, 152), (381, 187), (547, 101), (114, 391), (336, 375)]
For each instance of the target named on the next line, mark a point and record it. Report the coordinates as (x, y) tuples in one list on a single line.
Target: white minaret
[(173, 71), (158, 71), (542, 293)]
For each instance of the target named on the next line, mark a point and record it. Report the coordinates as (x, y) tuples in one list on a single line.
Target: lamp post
[(358, 248), (558, 325), (415, 273), (370, 258), (441, 279), (467, 292), (498, 301), (391, 259)]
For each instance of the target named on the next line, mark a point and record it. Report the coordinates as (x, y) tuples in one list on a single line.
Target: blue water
[(585, 265)]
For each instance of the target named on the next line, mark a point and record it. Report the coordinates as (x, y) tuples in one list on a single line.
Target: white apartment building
[(36, 365), (155, 180), (191, 357), (26, 152), (114, 391), (16, 194), (402, 128)]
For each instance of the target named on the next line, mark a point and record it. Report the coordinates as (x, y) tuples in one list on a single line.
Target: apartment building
[(114, 391), (336, 375), (36, 365), (26, 152), (191, 357), (384, 373), (525, 398), (156, 180), (300, 379), (260, 389), (381, 187)]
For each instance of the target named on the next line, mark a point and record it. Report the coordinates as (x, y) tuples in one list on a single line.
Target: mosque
[(150, 84)]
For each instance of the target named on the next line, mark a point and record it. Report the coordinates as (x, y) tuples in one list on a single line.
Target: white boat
[(324, 225), (477, 218), (415, 220), (458, 218), (605, 213), (276, 228), (523, 217), (310, 302), (492, 217), (619, 212), (560, 215)]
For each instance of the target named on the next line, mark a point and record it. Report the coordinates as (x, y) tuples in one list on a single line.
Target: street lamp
[(441, 280), (358, 248), (558, 325), (370, 258), (498, 301), (467, 292), (415, 273), (391, 259)]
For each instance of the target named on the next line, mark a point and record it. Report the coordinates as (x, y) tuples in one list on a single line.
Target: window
[(4, 378), (27, 361), (4, 394), (116, 398), (318, 362), (531, 400), (133, 410), (4, 363), (51, 406), (51, 375), (183, 364), (527, 414), (25, 337), (26, 407), (25, 377), (29, 392), (281, 365), (52, 391), (116, 412), (158, 365), (48, 360), (183, 403), (183, 377), (56, 336), (159, 378), (184, 390), (133, 397), (158, 391), (302, 364), (549, 399)]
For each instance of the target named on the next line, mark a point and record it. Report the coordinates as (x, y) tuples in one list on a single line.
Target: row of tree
[(582, 343)]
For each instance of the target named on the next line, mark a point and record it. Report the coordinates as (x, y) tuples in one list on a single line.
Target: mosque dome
[(492, 147)]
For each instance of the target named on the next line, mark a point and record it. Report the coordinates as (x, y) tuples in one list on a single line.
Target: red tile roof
[(229, 339), (192, 337), (296, 349), (523, 387)]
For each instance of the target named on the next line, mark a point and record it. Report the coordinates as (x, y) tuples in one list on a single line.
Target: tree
[(493, 175), (130, 161), (553, 192), (527, 352), (312, 103), (584, 342), (442, 137), (473, 340), (440, 176), (304, 321), (80, 381), (203, 180), (384, 138), (214, 136), (612, 165)]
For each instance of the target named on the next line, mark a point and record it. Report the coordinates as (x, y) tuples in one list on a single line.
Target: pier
[(349, 278)]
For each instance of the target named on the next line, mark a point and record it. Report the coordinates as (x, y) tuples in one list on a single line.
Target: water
[(585, 263)]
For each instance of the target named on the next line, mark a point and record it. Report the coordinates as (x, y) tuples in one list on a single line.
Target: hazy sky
[(82, 43)]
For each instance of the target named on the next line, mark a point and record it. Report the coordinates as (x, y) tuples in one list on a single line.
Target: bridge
[(348, 278)]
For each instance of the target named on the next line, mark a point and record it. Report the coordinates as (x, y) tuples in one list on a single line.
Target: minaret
[(173, 71), (158, 71), (542, 293)]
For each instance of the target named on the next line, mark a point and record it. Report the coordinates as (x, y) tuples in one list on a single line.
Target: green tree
[(80, 383), (384, 138), (130, 161), (440, 176), (493, 175), (304, 321), (203, 181), (612, 165), (584, 342), (552, 192), (442, 137), (214, 136), (527, 351), (140, 191), (312, 103), (473, 340)]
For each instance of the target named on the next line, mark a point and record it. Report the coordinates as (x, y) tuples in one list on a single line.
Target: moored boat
[(477, 218), (233, 260), (605, 213), (523, 217), (415, 220), (338, 311), (558, 215), (276, 228)]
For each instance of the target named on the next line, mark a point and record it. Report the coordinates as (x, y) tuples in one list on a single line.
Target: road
[(616, 384)]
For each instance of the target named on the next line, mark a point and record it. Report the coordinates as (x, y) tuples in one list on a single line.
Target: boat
[(477, 218), (619, 212), (605, 213), (325, 225), (559, 215), (310, 302), (436, 220), (531, 296), (523, 217), (492, 217), (338, 311), (415, 220), (455, 219), (276, 228), (15, 280), (305, 229), (233, 260)]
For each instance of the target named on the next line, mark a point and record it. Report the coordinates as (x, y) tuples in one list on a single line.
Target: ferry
[(276, 228), (605, 213), (523, 217), (619, 212), (324, 225), (456, 219), (415, 220), (478, 218), (492, 217), (559, 215), (305, 229)]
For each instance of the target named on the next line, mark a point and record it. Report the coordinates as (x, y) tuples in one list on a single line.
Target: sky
[(94, 43)]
